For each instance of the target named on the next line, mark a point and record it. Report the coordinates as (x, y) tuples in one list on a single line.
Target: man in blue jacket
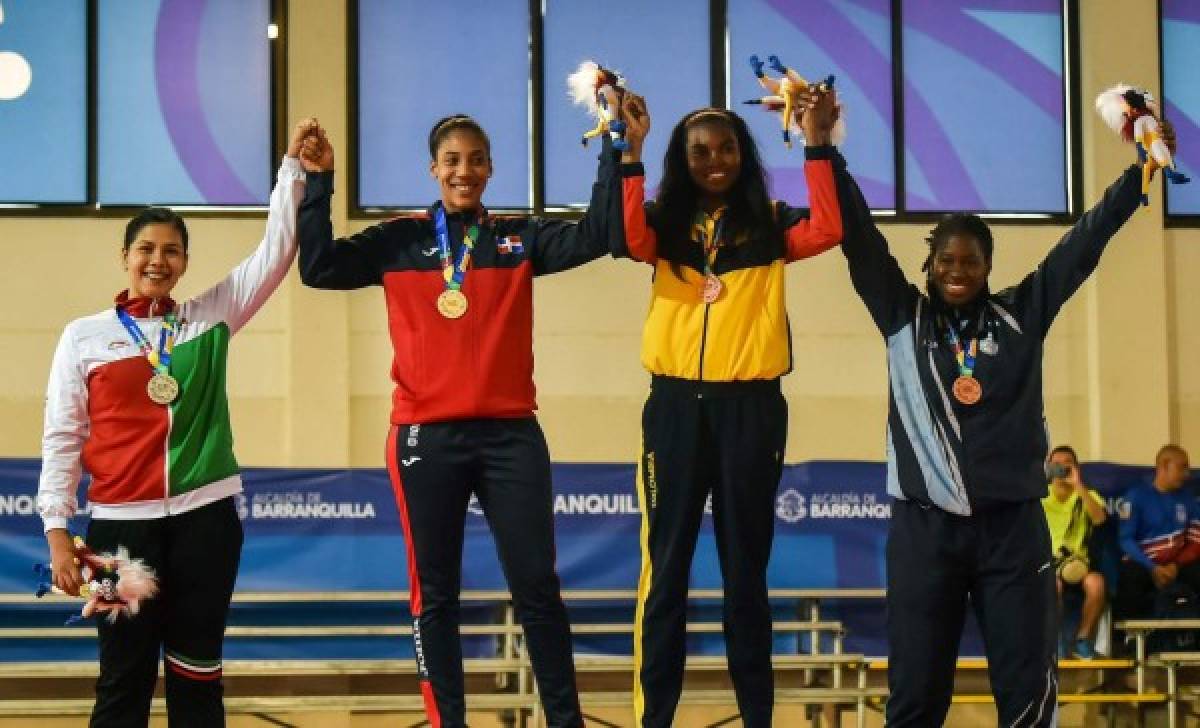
[(1160, 536)]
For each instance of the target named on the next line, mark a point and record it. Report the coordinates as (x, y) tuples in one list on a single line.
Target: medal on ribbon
[(452, 302), (162, 387), (710, 231), (967, 388)]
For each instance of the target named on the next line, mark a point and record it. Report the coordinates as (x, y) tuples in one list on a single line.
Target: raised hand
[(637, 126), (303, 129), (818, 113), (311, 146), (1072, 478)]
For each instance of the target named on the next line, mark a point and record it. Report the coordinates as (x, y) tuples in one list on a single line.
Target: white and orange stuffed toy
[(1133, 113), (601, 91), (114, 585)]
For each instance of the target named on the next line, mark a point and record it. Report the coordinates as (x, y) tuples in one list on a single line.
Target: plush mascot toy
[(114, 584), (600, 90), (784, 92), (1133, 113)]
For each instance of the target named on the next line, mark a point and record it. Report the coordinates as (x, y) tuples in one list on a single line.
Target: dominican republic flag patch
[(510, 244)]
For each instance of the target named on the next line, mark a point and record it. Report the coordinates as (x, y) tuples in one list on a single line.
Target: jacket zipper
[(166, 442), (167, 463), (703, 341), (960, 488)]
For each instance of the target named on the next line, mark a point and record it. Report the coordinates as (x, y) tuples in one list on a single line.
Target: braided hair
[(958, 223), (965, 225)]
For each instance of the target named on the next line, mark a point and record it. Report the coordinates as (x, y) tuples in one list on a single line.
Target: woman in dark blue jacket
[(966, 443)]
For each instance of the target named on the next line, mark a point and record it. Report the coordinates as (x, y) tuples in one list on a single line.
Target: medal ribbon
[(965, 357), (711, 231), (159, 359), (454, 272)]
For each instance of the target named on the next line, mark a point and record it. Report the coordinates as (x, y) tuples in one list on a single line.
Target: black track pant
[(726, 439), (1136, 591), (195, 555), (1000, 560), (434, 469)]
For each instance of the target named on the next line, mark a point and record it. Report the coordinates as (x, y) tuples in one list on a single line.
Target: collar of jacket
[(974, 313), (461, 218), (144, 306)]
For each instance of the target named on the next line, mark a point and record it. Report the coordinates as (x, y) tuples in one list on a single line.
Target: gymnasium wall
[(308, 378)]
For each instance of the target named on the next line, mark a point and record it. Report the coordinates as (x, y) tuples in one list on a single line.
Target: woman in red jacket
[(458, 283)]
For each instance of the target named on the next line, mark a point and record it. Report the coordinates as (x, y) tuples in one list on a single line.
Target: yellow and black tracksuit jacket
[(715, 424), (744, 335)]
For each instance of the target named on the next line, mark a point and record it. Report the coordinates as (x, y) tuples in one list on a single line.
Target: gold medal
[(162, 388), (452, 303), (967, 390), (712, 288)]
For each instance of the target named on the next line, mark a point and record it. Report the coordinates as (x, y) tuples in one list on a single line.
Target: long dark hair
[(749, 204)]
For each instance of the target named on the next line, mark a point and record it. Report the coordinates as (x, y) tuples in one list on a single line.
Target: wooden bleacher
[(514, 688), (511, 687), (1169, 662)]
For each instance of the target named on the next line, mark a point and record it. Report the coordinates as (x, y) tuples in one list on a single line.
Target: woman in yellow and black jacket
[(716, 342)]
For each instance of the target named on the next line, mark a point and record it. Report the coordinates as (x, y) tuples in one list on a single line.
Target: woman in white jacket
[(137, 399)]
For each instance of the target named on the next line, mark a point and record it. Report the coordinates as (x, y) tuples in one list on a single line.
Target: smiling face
[(462, 166), (155, 260), (959, 269), (714, 159)]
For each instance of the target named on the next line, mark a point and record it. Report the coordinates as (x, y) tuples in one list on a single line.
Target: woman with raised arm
[(716, 342), (966, 446), (137, 400), (458, 283)]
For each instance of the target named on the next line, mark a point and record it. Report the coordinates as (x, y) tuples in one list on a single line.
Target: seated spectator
[(1160, 536), (1072, 509)]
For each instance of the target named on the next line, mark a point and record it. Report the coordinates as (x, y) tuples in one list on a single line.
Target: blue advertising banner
[(830, 530), (339, 530)]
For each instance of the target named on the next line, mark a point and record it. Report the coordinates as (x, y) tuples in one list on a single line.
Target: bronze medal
[(967, 390), (452, 303), (162, 388), (712, 288)]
